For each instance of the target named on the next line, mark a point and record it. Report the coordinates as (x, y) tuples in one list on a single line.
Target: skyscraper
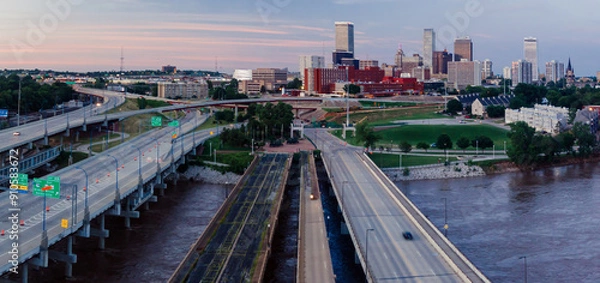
[(440, 61), (399, 56), (506, 73), (554, 71), (486, 69), (344, 37), (463, 49), (522, 72), (530, 50), (428, 47)]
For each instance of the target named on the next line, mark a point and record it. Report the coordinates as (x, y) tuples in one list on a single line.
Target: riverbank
[(210, 176), (452, 171)]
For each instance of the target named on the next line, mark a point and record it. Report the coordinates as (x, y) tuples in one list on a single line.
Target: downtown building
[(183, 90), (269, 78), (310, 61), (486, 69), (428, 47), (463, 49), (555, 71), (521, 72), (530, 50), (440, 62), (344, 42), (464, 73)]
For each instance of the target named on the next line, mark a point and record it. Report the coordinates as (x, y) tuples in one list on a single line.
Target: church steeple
[(570, 74)]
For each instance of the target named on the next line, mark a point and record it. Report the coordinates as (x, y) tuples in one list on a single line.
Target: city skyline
[(194, 34)]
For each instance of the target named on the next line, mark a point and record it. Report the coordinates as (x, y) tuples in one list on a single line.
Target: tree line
[(34, 96)]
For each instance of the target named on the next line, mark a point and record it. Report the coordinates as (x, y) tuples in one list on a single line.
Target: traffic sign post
[(22, 182), (47, 188), (156, 121)]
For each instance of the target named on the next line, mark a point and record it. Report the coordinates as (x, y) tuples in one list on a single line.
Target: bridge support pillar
[(235, 113), (161, 188), (46, 139), (25, 272), (101, 233), (68, 258), (42, 259), (211, 111), (77, 136)]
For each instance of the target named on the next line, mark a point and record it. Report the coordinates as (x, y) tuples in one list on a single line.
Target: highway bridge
[(376, 214), (116, 182)]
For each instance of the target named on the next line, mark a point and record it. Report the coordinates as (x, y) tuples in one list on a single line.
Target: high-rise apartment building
[(464, 73), (463, 49), (507, 73), (522, 72), (344, 37), (530, 49), (428, 47), (554, 71), (486, 69), (440, 61)]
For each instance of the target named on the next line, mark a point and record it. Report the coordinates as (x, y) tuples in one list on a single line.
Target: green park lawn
[(414, 134)]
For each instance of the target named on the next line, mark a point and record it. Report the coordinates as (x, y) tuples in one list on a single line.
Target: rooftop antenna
[(122, 60)]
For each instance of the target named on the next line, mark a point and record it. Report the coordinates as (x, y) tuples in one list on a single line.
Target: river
[(549, 216), (154, 246)]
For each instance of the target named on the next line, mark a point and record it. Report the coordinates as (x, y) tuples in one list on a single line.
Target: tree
[(423, 145), (584, 138), (454, 106), (142, 103), (365, 133), (295, 84), (463, 143), (352, 89), (522, 151), (444, 142), (482, 142), (495, 111), (263, 89), (566, 140), (405, 147)]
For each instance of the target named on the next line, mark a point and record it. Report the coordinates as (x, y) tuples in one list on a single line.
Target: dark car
[(407, 235)]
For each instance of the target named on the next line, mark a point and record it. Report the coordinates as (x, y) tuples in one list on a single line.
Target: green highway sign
[(48, 188), (22, 182), (174, 123), (156, 121)]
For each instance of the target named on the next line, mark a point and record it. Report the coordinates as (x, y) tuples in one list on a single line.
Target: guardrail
[(32, 162)]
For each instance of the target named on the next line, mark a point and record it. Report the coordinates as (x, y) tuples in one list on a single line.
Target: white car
[(16, 134)]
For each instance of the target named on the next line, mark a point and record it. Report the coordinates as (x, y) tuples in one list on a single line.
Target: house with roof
[(589, 116), (481, 104)]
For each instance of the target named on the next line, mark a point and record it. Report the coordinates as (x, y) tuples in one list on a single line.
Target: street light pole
[(19, 101), (117, 194), (86, 213), (367, 252), (524, 266)]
